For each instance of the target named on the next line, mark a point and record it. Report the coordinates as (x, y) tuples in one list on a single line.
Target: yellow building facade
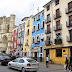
[(27, 36), (58, 20)]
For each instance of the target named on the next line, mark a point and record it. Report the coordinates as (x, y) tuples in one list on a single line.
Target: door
[(71, 51), (40, 57), (20, 64), (14, 63), (47, 52), (36, 55)]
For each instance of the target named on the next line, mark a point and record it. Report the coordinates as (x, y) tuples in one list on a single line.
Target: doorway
[(40, 57), (47, 52), (36, 56)]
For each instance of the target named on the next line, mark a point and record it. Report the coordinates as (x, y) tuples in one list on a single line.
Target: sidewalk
[(51, 68)]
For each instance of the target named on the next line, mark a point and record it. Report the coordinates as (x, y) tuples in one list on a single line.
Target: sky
[(21, 8)]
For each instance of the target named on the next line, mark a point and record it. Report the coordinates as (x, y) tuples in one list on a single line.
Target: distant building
[(20, 42), (37, 41), (6, 26), (14, 39)]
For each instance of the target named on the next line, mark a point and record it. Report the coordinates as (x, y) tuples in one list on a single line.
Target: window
[(33, 40), (56, 2), (11, 45), (23, 25), (15, 38), (57, 24), (15, 45), (58, 36), (38, 17), (21, 61), (48, 18), (48, 28), (26, 41), (42, 14), (16, 30), (16, 60), (70, 20), (38, 39), (58, 52), (48, 7), (28, 23), (57, 13), (34, 19), (41, 49), (42, 25), (33, 29), (70, 33), (28, 32), (12, 38), (70, 6), (42, 37), (38, 26)]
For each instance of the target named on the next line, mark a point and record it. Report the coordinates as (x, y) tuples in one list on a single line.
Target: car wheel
[(9, 66), (23, 70)]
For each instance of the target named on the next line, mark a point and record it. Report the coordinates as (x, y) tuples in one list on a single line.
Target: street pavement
[(51, 68)]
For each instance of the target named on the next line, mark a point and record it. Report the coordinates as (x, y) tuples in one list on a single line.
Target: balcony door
[(48, 27), (58, 24), (57, 13), (70, 20), (70, 32)]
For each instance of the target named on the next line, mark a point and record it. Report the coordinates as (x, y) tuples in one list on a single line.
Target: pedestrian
[(67, 65), (47, 60)]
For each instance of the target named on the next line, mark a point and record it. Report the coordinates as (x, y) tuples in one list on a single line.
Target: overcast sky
[(20, 8)]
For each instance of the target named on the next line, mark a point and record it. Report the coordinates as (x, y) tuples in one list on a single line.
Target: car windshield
[(31, 60)]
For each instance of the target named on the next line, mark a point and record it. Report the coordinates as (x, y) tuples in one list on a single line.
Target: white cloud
[(20, 8)]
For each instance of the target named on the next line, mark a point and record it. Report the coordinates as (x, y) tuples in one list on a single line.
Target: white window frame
[(43, 37), (42, 24), (15, 45), (12, 38), (32, 39), (37, 26)]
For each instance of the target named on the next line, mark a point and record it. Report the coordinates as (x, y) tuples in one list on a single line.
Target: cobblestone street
[(51, 68)]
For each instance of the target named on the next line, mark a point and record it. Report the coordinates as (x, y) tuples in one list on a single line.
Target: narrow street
[(51, 68)]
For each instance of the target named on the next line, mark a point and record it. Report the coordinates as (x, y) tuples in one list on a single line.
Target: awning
[(35, 51)]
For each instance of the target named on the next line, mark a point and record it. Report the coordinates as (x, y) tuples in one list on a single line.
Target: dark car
[(4, 60)]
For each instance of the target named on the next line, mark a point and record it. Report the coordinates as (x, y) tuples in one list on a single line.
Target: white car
[(24, 64)]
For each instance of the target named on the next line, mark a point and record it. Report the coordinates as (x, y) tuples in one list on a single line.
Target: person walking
[(66, 62), (47, 60)]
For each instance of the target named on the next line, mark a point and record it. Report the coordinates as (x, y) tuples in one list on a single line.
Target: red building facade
[(14, 39)]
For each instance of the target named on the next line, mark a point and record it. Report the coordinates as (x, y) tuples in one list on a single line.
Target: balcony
[(69, 39), (68, 24), (47, 20), (58, 41), (47, 42), (37, 41), (58, 27), (56, 16), (67, 11), (47, 31)]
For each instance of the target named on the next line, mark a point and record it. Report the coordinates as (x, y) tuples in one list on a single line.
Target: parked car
[(4, 60), (24, 64)]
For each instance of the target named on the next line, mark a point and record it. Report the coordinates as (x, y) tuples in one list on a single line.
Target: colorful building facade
[(14, 39), (37, 41), (27, 36), (58, 21), (20, 42)]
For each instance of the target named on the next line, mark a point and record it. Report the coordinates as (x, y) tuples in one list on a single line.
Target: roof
[(38, 13), (47, 3), (24, 18)]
